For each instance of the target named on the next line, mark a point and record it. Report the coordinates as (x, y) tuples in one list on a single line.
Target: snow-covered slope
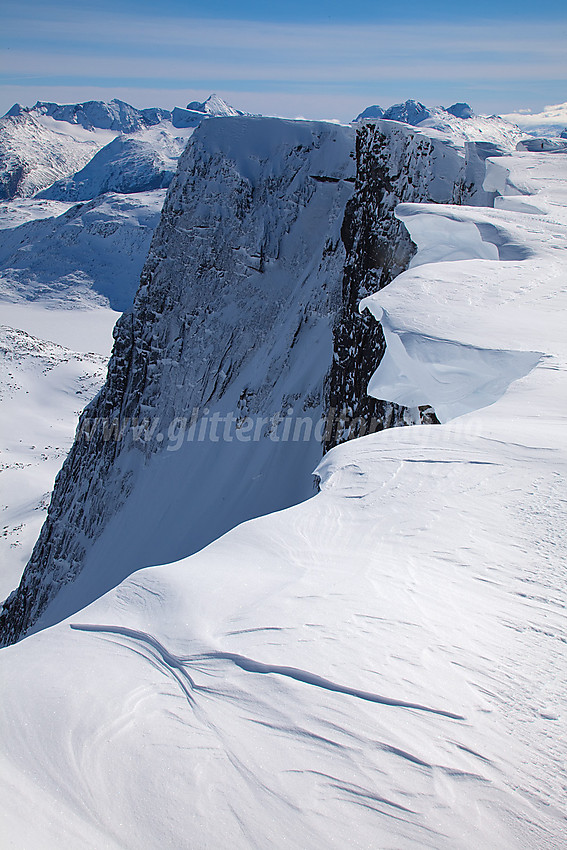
[(378, 666), (125, 165), (213, 106), (49, 142), (43, 388), (457, 124), (65, 271), (89, 254), (492, 129), (33, 156), (245, 312)]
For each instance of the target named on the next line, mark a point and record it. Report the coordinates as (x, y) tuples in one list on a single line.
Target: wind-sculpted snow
[(394, 163), (182, 665), (193, 703), (453, 375), (238, 321)]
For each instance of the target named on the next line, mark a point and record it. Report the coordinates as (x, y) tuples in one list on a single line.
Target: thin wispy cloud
[(89, 65), (434, 62)]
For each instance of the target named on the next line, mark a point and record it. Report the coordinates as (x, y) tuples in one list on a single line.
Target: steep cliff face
[(244, 356), (394, 164), (216, 384)]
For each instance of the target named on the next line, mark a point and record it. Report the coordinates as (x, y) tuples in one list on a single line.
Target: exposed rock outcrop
[(394, 164)]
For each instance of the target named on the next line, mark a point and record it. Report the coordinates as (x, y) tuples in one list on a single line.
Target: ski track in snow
[(174, 663)]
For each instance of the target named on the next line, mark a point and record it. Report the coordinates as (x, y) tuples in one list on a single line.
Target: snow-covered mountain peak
[(411, 112), (456, 124), (117, 115), (214, 106), (460, 110), (374, 111), (360, 649)]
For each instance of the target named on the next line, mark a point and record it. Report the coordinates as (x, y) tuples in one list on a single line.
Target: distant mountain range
[(42, 144), (121, 117)]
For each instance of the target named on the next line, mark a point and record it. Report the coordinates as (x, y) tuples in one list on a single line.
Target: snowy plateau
[(250, 623)]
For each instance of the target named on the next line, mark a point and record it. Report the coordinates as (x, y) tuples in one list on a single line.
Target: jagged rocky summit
[(245, 328), (413, 112)]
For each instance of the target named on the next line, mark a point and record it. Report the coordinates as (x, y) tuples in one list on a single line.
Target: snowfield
[(379, 666), (83, 256), (33, 155), (43, 388)]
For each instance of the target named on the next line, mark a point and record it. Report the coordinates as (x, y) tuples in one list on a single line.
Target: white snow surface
[(32, 156), (379, 666), (459, 131), (135, 163), (251, 229), (43, 388), (90, 254), (53, 363)]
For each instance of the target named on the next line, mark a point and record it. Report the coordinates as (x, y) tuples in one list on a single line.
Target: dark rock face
[(11, 178), (238, 294), (461, 110), (393, 165)]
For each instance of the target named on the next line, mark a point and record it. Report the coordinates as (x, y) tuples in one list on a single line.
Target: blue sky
[(318, 59)]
